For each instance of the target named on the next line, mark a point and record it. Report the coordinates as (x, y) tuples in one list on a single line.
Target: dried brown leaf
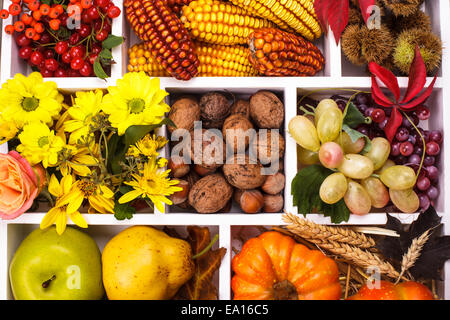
[(201, 287)]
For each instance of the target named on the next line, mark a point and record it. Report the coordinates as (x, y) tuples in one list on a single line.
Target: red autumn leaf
[(417, 77), (365, 5), (395, 121), (420, 99), (333, 13), (387, 77), (378, 95)]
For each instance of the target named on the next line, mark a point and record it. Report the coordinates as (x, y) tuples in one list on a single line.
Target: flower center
[(30, 104), (43, 141), (136, 105), (87, 187)]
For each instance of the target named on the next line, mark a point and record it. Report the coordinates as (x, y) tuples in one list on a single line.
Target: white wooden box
[(338, 73)]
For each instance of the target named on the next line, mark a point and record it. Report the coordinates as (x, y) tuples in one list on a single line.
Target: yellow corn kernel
[(217, 22), (291, 15), (220, 60)]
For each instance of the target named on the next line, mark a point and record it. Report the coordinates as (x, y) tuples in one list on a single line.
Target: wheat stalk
[(310, 230), (414, 251), (359, 257)]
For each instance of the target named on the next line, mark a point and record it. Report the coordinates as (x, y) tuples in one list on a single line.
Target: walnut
[(210, 194)]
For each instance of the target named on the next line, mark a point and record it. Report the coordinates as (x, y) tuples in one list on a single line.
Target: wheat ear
[(310, 230), (414, 251)]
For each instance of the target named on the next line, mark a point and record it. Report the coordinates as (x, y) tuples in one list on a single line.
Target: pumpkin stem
[(285, 290)]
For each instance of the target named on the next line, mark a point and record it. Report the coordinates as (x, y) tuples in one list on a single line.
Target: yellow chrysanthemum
[(86, 106), (77, 160), (100, 197), (67, 204), (136, 100), (8, 130), (40, 144), (29, 99), (147, 146), (154, 184)]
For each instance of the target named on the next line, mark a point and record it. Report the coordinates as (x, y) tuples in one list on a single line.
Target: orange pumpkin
[(274, 267), (388, 291)]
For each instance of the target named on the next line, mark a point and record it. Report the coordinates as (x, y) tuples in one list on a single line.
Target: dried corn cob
[(176, 5), (291, 15), (141, 59), (165, 35), (215, 61), (224, 61), (277, 53), (218, 22)]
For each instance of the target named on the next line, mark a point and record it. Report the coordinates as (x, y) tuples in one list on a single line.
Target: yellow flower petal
[(78, 219), (54, 187), (61, 222), (129, 196), (50, 217)]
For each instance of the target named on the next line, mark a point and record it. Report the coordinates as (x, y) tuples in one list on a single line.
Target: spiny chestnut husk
[(278, 53), (156, 24), (402, 7), (430, 47), (417, 20), (362, 45)]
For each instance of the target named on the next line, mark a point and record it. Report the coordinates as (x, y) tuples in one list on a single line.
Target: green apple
[(47, 266)]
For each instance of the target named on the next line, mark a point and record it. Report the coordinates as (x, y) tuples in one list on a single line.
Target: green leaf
[(132, 135), (305, 191), (105, 54), (98, 70), (355, 135), (135, 133), (63, 33), (112, 41), (123, 211), (353, 116)]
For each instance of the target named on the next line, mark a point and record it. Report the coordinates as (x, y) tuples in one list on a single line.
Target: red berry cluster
[(61, 42)]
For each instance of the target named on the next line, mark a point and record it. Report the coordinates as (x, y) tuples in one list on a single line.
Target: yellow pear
[(143, 263)]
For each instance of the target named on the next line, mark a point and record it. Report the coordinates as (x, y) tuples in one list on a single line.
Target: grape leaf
[(200, 286), (355, 135), (123, 211), (353, 117), (305, 190), (434, 253)]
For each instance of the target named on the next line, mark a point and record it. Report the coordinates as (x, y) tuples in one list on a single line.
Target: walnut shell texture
[(242, 174), (210, 194), (235, 129), (266, 110), (184, 112)]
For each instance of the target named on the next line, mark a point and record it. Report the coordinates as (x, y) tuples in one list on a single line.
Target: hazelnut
[(273, 203), (274, 184), (202, 171), (178, 167), (181, 196), (251, 201)]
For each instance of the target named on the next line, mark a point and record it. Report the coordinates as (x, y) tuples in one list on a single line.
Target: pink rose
[(20, 184)]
